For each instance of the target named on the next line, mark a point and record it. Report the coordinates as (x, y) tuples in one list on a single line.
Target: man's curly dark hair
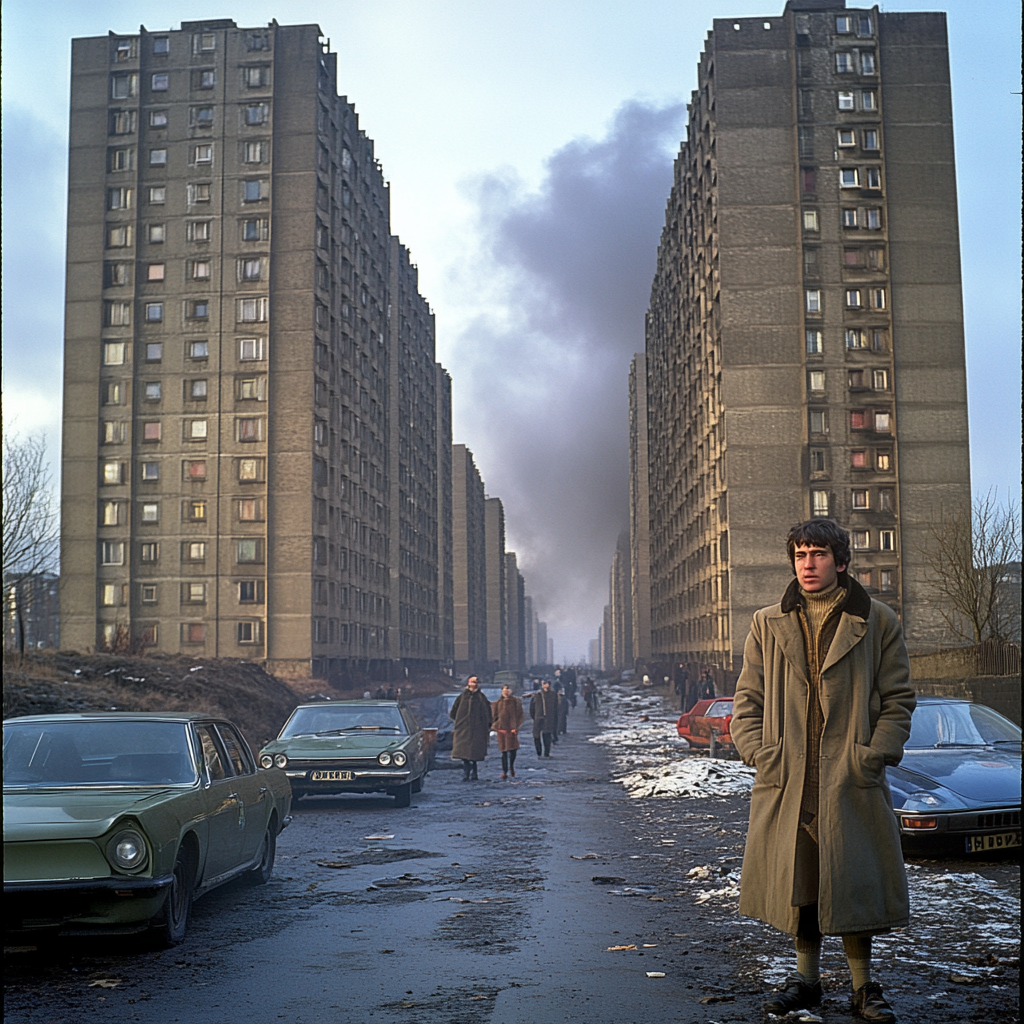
[(820, 533)]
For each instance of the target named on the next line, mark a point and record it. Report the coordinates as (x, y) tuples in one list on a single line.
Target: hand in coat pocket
[(867, 766), (768, 762)]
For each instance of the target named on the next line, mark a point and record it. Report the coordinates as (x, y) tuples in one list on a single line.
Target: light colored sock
[(808, 960), (858, 958)]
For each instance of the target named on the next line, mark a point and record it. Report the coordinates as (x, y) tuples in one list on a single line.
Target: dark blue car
[(957, 789)]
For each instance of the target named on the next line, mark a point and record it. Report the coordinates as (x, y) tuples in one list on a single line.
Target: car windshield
[(959, 725), (45, 755), (335, 719)]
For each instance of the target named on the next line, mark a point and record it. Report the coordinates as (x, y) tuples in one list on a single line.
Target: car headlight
[(127, 850), (266, 761), (932, 800), (280, 760), (384, 758), (398, 759)]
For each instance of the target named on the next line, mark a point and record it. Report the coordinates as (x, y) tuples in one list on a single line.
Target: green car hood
[(76, 813), (368, 744)]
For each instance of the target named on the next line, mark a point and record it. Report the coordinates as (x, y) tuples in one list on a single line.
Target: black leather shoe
[(797, 995), (870, 1004)]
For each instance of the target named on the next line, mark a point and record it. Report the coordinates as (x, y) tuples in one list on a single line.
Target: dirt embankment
[(242, 692)]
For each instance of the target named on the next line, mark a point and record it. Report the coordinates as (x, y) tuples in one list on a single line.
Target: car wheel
[(172, 921), (260, 874), (403, 795)]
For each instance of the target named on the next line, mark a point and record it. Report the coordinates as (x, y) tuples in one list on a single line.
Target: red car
[(695, 725)]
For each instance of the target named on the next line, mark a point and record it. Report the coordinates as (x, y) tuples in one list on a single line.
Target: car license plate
[(1003, 841), (331, 776)]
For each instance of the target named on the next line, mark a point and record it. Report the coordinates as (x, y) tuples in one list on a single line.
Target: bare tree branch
[(31, 518)]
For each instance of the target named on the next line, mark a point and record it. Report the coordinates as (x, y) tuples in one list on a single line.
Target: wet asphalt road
[(475, 908)]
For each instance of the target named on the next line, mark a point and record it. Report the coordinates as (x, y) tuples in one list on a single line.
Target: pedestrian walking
[(707, 685), (826, 675), (544, 712), (563, 712), (682, 686), (588, 691), (506, 720), (471, 713)]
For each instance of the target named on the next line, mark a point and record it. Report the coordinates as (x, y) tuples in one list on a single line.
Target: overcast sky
[(529, 148)]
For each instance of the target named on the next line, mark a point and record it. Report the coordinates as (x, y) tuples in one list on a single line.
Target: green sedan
[(351, 746), (114, 823)]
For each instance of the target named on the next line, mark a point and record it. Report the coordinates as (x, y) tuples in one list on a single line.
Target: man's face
[(506, 691), (545, 685), (816, 567), (472, 683)]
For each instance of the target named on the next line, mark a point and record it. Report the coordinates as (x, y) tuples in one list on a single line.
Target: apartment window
[(844, 63), (805, 142), (873, 178), (864, 25), (257, 113), (853, 298), (853, 258), (819, 503), (858, 420), (248, 550), (849, 217), (196, 430), (886, 540), (149, 552), (201, 117), (150, 512), (808, 181), (873, 218), (157, 233), (248, 632), (113, 472), (203, 153), (880, 380), (258, 41), (158, 158), (156, 271), (198, 231), (115, 274), (111, 515), (198, 349), (250, 269), (250, 510), (849, 177), (861, 501), (860, 540), (887, 580), (204, 42), (883, 462), (108, 595), (200, 270), (871, 140), (845, 101), (194, 550), (250, 349), (112, 552), (158, 119), (151, 431), (205, 79), (154, 351), (810, 220), (855, 338), (125, 49), (254, 152), (867, 62), (859, 458), (194, 593), (844, 24), (882, 421), (114, 432), (160, 82), (816, 380), (250, 592), (876, 259), (148, 635), (255, 77), (197, 389), (249, 428), (251, 470), (154, 312), (879, 339), (119, 199), (194, 469), (252, 389), (119, 236), (195, 510), (253, 310), (161, 44), (856, 378), (818, 421), (868, 101), (846, 137), (887, 500), (199, 310), (812, 300), (256, 229), (198, 192), (255, 190), (113, 393), (113, 353), (319, 432), (877, 298), (117, 314), (193, 633), (817, 460), (148, 593), (323, 235), (124, 87), (150, 471)]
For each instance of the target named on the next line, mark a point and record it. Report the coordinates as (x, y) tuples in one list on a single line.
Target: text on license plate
[(1003, 841), (331, 776)]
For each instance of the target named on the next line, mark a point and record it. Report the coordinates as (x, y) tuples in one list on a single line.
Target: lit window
[(113, 393), (195, 550), (882, 422), (848, 177), (158, 158), (250, 470), (860, 539), (810, 220), (883, 462), (814, 342), (111, 513), (887, 540), (819, 503), (812, 300), (154, 312), (195, 510), (846, 136), (149, 552), (113, 472), (160, 82), (112, 552), (151, 471), (195, 593), (157, 233), (816, 380), (818, 421), (150, 512), (156, 271), (108, 595), (119, 236), (151, 431), (197, 430), (198, 349), (861, 500), (154, 351), (880, 380), (846, 101), (113, 353), (113, 432), (195, 469), (859, 459)]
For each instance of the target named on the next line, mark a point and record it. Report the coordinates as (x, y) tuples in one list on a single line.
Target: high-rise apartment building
[(620, 602), (639, 510), (445, 566), (515, 629), (469, 562), (232, 374), (529, 632), (804, 343), (497, 610)]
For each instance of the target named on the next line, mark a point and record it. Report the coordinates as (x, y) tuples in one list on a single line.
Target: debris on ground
[(690, 777)]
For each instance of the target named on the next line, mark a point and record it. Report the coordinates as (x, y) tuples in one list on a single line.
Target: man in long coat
[(822, 705), (506, 720), (544, 712), (471, 713)]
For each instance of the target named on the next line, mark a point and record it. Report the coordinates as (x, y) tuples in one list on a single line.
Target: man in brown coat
[(471, 713), (822, 705), (506, 719)]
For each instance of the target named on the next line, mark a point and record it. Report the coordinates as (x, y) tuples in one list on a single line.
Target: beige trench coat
[(867, 702)]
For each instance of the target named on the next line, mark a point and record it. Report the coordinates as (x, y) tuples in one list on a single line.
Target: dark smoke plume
[(543, 381)]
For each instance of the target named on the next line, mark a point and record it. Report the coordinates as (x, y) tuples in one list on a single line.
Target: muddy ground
[(506, 902)]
